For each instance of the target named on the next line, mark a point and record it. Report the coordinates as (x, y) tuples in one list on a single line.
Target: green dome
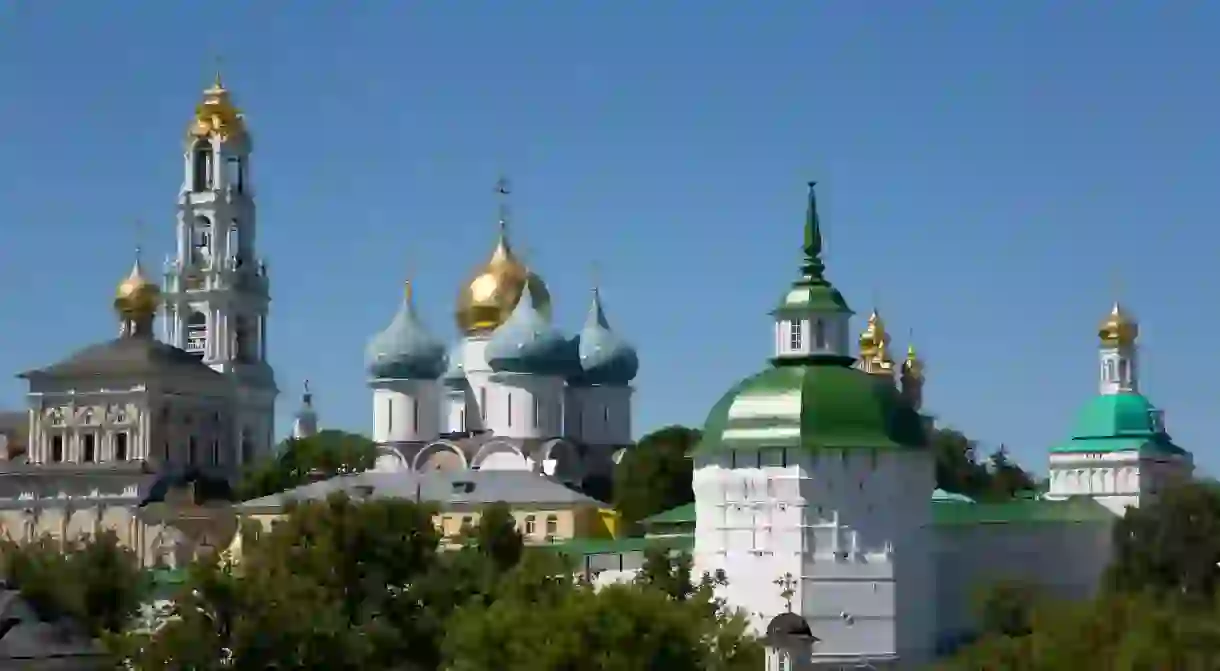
[(822, 404), (1117, 423), (1116, 415)]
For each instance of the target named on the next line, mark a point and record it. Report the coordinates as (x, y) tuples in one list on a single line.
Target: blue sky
[(991, 175)]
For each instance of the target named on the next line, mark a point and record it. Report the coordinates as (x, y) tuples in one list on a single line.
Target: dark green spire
[(813, 266)]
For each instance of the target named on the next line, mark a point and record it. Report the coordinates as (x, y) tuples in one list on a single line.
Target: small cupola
[(405, 350), (527, 342), (605, 357)]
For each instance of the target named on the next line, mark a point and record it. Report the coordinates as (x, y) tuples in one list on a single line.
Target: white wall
[(599, 415), (406, 410)]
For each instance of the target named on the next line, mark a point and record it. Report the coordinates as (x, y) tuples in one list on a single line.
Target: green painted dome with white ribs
[(818, 400)]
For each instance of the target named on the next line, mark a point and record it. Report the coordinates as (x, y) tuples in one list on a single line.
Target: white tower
[(1119, 370), (216, 289)]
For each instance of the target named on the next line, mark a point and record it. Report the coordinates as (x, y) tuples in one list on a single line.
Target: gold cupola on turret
[(216, 115), (1118, 329), (486, 301), (136, 300), (912, 378), (875, 347)]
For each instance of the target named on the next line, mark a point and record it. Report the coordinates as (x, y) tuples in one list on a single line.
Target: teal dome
[(405, 350), (455, 372), (823, 404), (527, 343), (1118, 416), (605, 358)]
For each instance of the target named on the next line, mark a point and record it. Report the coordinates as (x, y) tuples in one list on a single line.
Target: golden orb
[(491, 294), (1118, 329), (216, 114), (136, 295)]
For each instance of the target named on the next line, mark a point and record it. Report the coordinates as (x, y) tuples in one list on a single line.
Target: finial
[(406, 290), (218, 82), (138, 230), (595, 276), (502, 191), (813, 266), (307, 394)]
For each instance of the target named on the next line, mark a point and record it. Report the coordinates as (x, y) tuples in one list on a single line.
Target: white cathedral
[(514, 393)]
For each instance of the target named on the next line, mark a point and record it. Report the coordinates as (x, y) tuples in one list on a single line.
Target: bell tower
[(216, 288)]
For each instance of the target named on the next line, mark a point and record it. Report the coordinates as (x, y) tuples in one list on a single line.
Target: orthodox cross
[(787, 589), (138, 232)]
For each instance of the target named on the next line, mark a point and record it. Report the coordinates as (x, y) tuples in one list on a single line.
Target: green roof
[(1117, 423), (819, 404), (683, 514), (812, 292), (1020, 511)]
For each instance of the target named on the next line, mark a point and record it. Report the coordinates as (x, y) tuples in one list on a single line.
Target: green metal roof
[(812, 292), (1020, 511), (590, 546), (1117, 423), (680, 515), (819, 404)]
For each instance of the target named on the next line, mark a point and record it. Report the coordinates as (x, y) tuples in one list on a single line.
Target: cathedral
[(513, 393), (112, 420)]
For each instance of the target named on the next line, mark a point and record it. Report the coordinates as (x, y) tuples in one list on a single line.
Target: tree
[(93, 580), (1005, 479), (324, 455), (959, 470), (655, 474), (1170, 544)]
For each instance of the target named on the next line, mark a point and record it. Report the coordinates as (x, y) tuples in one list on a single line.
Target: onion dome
[(455, 372), (217, 115), (873, 336), (405, 350), (1119, 329), (527, 343), (489, 297), (136, 298), (605, 357), (913, 366)]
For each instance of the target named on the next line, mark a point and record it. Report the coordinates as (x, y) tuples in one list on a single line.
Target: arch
[(440, 456), (202, 157), (498, 455), (561, 459)]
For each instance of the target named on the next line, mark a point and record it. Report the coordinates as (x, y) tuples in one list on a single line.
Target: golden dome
[(874, 337), (491, 294), (136, 295), (913, 366), (1118, 328), (882, 363), (216, 114)]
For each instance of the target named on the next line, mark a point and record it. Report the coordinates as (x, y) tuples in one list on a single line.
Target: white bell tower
[(216, 289)]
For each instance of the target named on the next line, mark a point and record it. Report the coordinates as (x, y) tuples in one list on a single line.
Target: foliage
[(93, 580), (958, 468), (655, 475), (323, 455), (342, 584), (1170, 544), (1006, 608)]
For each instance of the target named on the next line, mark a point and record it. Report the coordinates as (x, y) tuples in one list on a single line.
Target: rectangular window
[(531, 527), (552, 525), (509, 408), (819, 334), (415, 416), (88, 448), (794, 335), (120, 446), (57, 449), (537, 412)]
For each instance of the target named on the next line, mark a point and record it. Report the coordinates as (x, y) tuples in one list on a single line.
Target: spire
[(813, 267)]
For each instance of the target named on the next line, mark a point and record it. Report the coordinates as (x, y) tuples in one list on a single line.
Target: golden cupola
[(912, 367), (487, 300), (217, 115), (1118, 329), (875, 346), (136, 300)]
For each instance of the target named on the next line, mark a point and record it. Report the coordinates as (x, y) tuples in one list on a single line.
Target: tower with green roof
[(1119, 451), (812, 483)]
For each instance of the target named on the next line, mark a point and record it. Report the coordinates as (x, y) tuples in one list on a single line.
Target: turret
[(598, 403), (404, 363)]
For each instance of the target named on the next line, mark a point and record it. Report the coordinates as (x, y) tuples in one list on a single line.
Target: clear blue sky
[(990, 173)]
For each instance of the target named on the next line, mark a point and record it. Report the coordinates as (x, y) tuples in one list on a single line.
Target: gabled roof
[(126, 356)]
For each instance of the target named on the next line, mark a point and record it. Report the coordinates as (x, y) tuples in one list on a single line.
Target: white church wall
[(406, 410), (523, 406), (599, 415)]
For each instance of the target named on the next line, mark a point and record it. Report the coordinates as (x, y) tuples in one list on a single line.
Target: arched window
[(201, 166), (197, 334), (235, 173), (233, 244), (201, 240), (531, 525), (819, 334)]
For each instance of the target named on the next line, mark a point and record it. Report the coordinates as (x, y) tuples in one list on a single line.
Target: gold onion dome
[(217, 114), (136, 295), (1118, 328), (490, 296), (873, 338), (913, 365)]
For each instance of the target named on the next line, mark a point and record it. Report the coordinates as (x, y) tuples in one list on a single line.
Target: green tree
[(324, 455), (959, 469), (655, 474), (94, 580), (1004, 478), (1170, 544)]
